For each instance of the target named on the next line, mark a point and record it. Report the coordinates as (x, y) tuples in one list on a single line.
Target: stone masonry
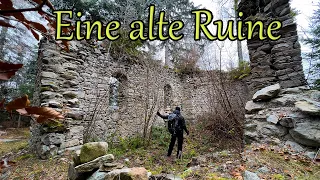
[(81, 83), (274, 61)]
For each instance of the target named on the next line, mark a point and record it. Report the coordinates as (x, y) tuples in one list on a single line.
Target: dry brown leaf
[(42, 119), (286, 158), (38, 26), (44, 111), (19, 103), (22, 112), (5, 24), (2, 103), (308, 169), (7, 70)]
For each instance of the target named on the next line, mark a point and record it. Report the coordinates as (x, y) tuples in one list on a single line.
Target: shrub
[(242, 71), (188, 64)]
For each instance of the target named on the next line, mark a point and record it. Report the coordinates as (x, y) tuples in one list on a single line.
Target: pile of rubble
[(284, 116), (93, 163)]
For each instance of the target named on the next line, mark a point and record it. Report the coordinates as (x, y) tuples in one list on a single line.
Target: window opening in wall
[(167, 96), (114, 93)]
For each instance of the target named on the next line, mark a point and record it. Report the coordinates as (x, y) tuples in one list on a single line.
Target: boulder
[(98, 175), (128, 174), (311, 155), (294, 146), (273, 119), (266, 93), (250, 176), (308, 107), (273, 130), (294, 90), (315, 95), (76, 157), (93, 150), (287, 121), (263, 170), (165, 177), (252, 107), (307, 133), (72, 172)]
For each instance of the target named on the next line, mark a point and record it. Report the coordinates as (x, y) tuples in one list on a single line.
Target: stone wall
[(284, 116), (274, 61), (107, 97)]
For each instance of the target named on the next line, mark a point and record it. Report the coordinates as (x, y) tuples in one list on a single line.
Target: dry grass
[(30, 167), (16, 133), (12, 147), (21, 134), (282, 165)]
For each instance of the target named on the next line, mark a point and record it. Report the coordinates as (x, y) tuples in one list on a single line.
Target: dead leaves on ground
[(42, 114), (4, 164), (237, 173)]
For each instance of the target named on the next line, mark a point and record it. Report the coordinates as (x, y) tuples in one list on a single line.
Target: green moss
[(54, 126), (14, 146), (278, 177), (91, 151), (45, 89), (24, 156)]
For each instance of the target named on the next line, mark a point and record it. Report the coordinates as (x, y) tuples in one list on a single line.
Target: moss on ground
[(12, 147)]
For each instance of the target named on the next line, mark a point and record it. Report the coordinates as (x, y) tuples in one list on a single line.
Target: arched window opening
[(114, 93), (117, 86), (167, 96)]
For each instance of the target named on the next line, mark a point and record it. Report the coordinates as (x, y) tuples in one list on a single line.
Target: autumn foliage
[(8, 12), (8, 70)]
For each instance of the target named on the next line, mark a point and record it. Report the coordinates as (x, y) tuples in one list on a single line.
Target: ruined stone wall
[(274, 61), (79, 84)]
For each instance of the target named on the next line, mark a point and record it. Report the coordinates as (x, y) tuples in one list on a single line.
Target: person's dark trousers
[(172, 142)]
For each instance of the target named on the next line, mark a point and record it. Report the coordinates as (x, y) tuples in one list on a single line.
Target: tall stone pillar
[(57, 87), (274, 61)]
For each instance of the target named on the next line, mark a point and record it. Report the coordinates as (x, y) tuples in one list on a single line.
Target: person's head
[(178, 108), (176, 112)]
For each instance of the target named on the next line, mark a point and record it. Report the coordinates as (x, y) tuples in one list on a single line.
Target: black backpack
[(173, 123)]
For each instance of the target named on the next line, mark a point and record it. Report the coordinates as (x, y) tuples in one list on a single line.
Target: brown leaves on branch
[(19, 103), (22, 106), (5, 24), (7, 9), (7, 70)]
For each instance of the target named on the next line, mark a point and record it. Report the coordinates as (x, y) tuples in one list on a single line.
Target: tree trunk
[(239, 45), (19, 121)]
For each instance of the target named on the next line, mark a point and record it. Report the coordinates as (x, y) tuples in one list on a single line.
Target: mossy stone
[(93, 150)]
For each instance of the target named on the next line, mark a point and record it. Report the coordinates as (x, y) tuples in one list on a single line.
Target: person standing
[(176, 126)]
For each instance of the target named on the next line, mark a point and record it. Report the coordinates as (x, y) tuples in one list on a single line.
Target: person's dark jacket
[(181, 122)]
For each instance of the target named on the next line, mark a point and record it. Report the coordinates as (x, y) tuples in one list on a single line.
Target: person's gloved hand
[(187, 133)]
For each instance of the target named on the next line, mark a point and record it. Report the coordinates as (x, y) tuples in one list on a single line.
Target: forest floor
[(201, 159)]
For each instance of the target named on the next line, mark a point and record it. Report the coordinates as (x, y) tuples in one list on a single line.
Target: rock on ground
[(91, 151), (307, 133), (308, 107), (139, 173), (266, 93), (250, 176)]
